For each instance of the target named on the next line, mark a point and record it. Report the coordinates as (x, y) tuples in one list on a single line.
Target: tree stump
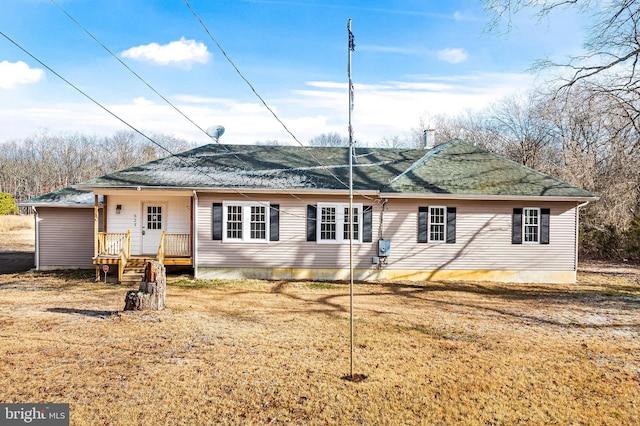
[(152, 292)]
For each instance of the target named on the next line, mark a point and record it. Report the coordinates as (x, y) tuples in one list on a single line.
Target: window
[(356, 224), (437, 224), (245, 221), (234, 222), (327, 223), (258, 223), (335, 217), (530, 225)]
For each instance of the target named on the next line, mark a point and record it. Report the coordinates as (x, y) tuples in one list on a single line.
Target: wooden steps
[(134, 271)]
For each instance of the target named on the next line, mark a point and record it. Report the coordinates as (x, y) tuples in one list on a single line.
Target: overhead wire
[(139, 77), (253, 89), (107, 110), (326, 168)]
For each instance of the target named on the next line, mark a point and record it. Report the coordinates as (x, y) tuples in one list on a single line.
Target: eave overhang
[(64, 205), (481, 197), (168, 190)]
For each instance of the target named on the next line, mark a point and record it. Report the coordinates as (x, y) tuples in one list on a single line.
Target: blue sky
[(413, 59)]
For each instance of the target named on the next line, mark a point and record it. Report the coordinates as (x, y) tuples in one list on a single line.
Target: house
[(455, 212)]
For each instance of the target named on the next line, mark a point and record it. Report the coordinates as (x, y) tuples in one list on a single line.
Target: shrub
[(7, 204)]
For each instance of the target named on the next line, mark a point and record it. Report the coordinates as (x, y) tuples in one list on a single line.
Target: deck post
[(96, 217)]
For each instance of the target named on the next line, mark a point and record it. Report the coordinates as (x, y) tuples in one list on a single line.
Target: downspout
[(36, 218), (194, 248)]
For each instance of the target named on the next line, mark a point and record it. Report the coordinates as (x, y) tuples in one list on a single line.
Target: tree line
[(44, 162)]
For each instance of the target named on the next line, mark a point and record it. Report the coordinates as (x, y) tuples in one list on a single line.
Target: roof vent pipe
[(428, 138)]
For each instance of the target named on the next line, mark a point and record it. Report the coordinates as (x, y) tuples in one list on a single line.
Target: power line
[(107, 110), (171, 104), (176, 108), (255, 92), (138, 76), (168, 102), (128, 68)]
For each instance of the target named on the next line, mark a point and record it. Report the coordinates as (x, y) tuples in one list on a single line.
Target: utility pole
[(351, 152)]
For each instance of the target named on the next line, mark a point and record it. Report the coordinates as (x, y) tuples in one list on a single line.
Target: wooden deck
[(115, 249)]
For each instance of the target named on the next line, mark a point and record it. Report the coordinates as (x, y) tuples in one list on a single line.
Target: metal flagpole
[(350, 212)]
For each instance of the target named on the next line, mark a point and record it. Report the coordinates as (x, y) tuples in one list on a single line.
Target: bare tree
[(44, 162), (329, 139), (609, 65), (394, 141)]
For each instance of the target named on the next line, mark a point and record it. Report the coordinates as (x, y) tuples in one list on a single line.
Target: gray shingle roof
[(265, 167), (460, 168), (65, 197), (456, 168)]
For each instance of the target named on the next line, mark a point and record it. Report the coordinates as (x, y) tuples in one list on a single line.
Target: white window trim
[(246, 222), (524, 225), (444, 240), (339, 223)]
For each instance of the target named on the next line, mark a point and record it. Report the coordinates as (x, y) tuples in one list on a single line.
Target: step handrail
[(125, 255), (160, 255)]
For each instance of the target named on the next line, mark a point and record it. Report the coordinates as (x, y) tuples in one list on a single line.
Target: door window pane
[(154, 217)]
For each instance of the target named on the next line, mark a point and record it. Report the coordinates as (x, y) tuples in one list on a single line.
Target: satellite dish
[(215, 132)]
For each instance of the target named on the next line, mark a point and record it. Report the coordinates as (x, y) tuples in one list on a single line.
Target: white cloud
[(13, 74), (453, 56), (182, 52), (142, 102)]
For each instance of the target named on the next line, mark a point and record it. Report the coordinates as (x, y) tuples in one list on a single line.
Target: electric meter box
[(384, 247)]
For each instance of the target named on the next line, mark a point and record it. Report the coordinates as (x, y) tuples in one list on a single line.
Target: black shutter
[(367, 219), (516, 229), (451, 225), (544, 225), (423, 220), (217, 221), (274, 222), (312, 212)]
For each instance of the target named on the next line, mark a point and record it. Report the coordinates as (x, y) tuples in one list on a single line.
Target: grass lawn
[(260, 352), (17, 233)]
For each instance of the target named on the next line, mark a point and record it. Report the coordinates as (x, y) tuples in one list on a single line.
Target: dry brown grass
[(257, 352), (16, 233)]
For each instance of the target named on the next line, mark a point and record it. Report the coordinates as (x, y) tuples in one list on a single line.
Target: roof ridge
[(421, 160)]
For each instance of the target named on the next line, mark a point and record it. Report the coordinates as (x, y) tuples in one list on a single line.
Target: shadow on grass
[(581, 297), (88, 312), (619, 297)]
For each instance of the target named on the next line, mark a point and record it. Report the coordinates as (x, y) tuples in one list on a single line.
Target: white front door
[(153, 222)]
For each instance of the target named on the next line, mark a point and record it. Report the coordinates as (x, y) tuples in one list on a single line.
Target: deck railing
[(114, 245), (177, 245), (111, 243), (174, 245)]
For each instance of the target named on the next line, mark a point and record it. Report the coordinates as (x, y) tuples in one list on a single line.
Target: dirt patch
[(12, 262)]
